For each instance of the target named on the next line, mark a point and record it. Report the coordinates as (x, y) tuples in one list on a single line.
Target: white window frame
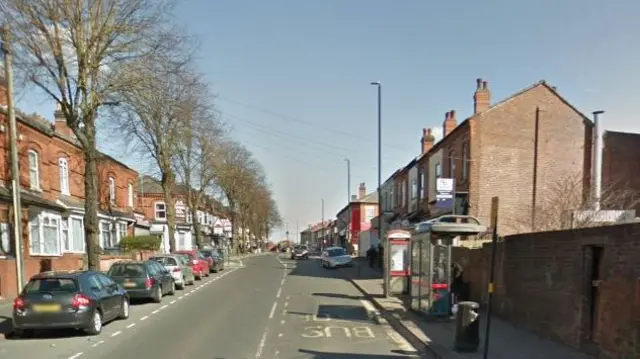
[(130, 194), (114, 232), (34, 169), (452, 165), (122, 230), (63, 168), (39, 220), (70, 238), (414, 188), (423, 187), (156, 211), (112, 190), (438, 169)]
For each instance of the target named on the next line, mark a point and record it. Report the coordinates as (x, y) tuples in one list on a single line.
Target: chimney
[(60, 123), (482, 97), (449, 124), (354, 197), (362, 191), (427, 140)]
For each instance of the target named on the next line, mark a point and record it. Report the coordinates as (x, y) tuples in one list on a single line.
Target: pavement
[(264, 306), (436, 337)]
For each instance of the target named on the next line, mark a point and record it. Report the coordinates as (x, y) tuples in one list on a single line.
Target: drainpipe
[(597, 161)]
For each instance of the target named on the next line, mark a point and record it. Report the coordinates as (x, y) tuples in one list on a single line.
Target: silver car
[(335, 257), (178, 267)]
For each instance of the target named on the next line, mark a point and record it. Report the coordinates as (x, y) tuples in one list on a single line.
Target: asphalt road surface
[(267, 307)]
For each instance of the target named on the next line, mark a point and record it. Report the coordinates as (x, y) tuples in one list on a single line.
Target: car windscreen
[(167, 261), (127, 270), (206, 253), (336, 252), (51, 285)]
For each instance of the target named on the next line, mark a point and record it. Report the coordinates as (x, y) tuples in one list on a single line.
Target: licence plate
[(129, 285), (47, 308)]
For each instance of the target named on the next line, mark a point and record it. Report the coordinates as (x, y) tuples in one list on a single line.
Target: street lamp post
[(386, 247), (348, 232)]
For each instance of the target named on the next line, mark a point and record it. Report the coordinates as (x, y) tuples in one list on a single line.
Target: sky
[(292, 78)]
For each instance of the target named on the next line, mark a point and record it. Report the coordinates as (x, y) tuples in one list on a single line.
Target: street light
[(348, 234), (380, 234)]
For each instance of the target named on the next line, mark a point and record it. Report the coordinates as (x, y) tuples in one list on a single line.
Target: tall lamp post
[(348, 232), (380, 234)]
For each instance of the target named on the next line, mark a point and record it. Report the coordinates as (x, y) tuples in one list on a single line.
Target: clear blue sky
[(293, 77)]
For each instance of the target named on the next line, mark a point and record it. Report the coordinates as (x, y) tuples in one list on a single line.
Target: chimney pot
[(484, 85), (481, 97), (479, 81)]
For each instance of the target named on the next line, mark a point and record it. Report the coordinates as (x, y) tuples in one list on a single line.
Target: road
[(267, 307)]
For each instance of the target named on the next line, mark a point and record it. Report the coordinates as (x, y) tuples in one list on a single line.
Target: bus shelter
[(430, 271)]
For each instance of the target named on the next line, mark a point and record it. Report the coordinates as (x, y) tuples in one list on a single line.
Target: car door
[(113, 300), (99, 292), (162, 275)]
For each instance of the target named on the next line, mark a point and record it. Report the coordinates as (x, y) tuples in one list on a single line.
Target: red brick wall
[(542, 283), (621, 164), (502, 156)]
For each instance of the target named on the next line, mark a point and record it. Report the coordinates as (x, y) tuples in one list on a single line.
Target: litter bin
[(467, 335)]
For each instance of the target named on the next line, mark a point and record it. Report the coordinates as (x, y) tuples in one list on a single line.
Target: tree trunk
[(167, 187), (232, 215), (193, 202), (91, 201)]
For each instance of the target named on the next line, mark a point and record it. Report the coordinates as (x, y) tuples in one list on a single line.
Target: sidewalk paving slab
[(507, 341)]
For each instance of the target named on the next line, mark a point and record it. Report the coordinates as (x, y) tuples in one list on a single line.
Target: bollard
[(467, 334)]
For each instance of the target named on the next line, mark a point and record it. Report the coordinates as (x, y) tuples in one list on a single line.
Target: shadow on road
[(5, 326), (337, 295), (334, 355)]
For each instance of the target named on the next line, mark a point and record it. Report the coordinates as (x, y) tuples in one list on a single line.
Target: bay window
[(45, 234)]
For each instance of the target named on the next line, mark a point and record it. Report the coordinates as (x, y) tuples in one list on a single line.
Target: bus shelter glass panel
[(415, 274), (441, 279)]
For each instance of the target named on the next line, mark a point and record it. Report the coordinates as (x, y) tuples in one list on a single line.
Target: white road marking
[(131, 325), (282, 322), (279, 292), (368, 306), (286, 304), (280, 334), (116, 333), (145, 317), (155, 311), (273, 309), (400, 341), (74, 356), (263, 341), (98, 343), (172, 302), (163, 307)]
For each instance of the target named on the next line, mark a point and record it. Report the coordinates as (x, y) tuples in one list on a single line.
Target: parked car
[(215, 261), (143, 279), (199, 264), (179, 268), (335, 257), (82, 300), (300, 251)]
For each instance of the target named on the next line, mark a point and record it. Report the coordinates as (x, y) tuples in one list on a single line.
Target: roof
[(30, 198), (60, 274), (371, 198)]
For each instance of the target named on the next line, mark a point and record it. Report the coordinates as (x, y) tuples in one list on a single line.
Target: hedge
[(140, 243)]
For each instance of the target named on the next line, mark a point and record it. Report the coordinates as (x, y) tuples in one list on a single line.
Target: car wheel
[(95, 325), (124, 309), (184, 282), (173, 288), (22, 333), (157, 295)]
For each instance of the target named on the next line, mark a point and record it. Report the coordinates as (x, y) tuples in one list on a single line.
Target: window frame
[(465, 161), (70, 237), (156, 211), (130, 194), (452, 165), (112, 190), (34, 168), (63, 169), (40, 224)]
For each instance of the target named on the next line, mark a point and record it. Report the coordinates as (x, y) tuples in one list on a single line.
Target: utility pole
[(348, 232), (386, 248), (322, 227), (297, 232), (15, 168)]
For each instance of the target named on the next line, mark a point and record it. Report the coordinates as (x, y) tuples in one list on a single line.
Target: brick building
[(518, 149), (358, 216), (52, 189), (621, 168)]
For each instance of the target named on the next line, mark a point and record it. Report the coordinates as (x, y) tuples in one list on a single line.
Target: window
[(112, 190), (106, 236), (452, 165), (34, 170), (122, 228), (182, 241), (130, 194), (6, 244), (438, 170), (189, 216), (465, 164), (371, 212), (63, 168), (161, 210), (74, 240), (405, 192), (423, 185), (44, 234), (414, 188)]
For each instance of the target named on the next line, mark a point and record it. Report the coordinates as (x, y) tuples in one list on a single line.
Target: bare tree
[(198, 149), (72, 51), (567, 204), (153, 111)]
